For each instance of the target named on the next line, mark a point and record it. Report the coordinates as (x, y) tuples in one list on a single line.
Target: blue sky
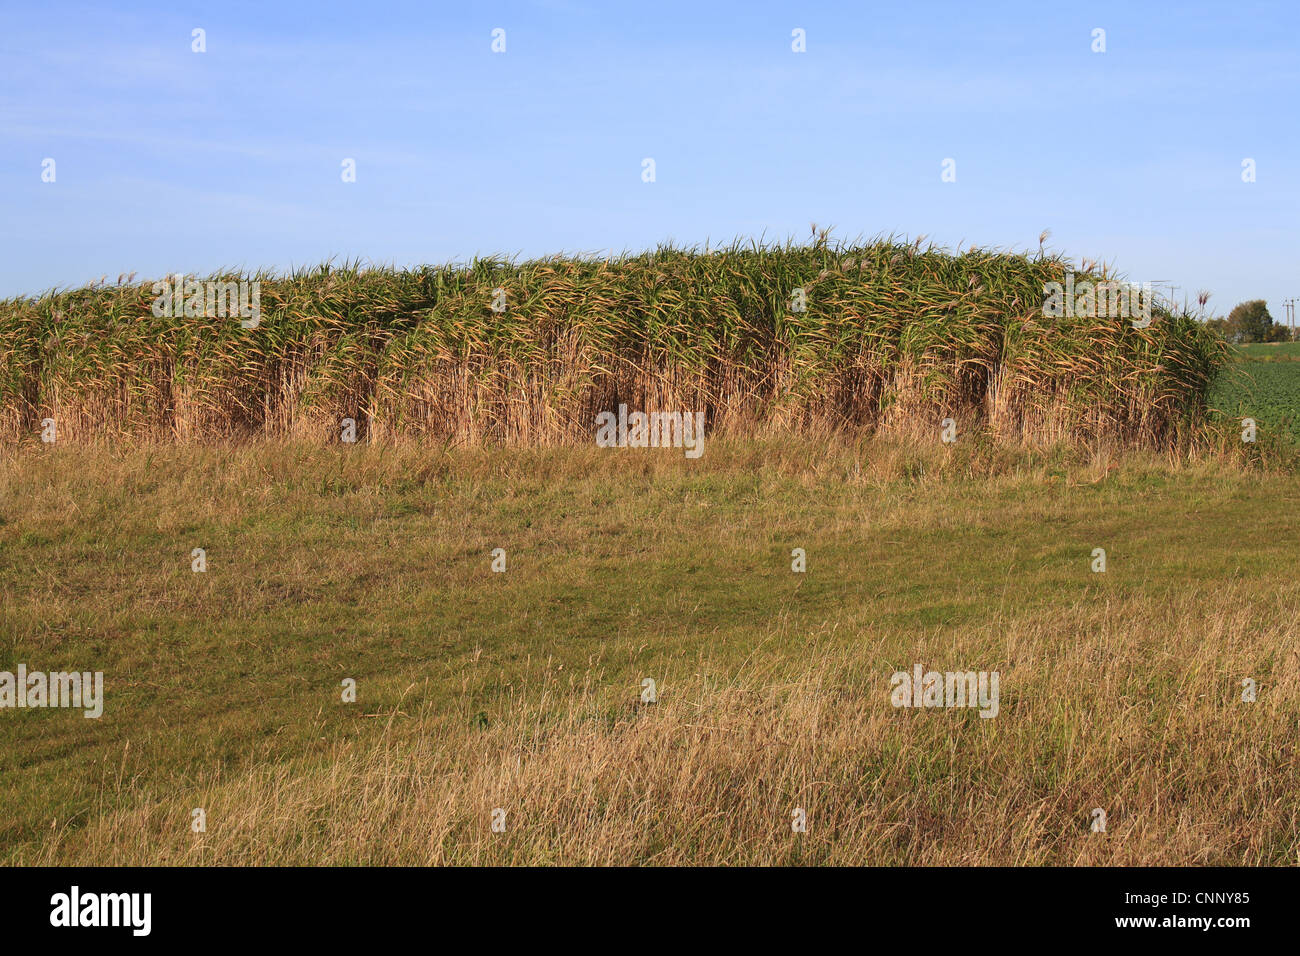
[(169, 160)]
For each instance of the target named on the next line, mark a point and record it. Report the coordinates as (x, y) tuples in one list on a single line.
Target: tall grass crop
[(894, 337)]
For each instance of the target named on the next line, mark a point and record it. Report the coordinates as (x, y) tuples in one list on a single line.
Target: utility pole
[(1158, 285)]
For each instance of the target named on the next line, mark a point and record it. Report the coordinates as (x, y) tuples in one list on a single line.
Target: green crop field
[(1262, 382)]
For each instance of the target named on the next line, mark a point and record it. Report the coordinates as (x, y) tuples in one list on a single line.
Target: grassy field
[(1270, 351), (521, 690)]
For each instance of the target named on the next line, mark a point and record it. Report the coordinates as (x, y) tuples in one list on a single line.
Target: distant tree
[(1218, 325), (1250, 322), (1277, 332)]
